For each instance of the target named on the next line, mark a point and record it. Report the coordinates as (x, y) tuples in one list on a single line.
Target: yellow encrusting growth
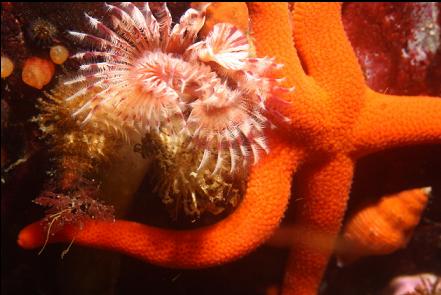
[(181, 187), (77, 147)]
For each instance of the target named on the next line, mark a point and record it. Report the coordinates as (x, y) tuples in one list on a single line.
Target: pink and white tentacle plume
[(156, 77)]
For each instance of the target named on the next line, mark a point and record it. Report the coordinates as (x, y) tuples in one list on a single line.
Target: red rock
[(398, 45)]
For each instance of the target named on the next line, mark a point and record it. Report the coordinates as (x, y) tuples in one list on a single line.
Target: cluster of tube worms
[(200, 105)]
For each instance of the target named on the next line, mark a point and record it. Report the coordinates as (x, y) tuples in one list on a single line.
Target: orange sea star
[(335, 119)]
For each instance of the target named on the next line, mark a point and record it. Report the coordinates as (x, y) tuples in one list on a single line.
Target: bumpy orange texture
[(224, 241), (335, 119)]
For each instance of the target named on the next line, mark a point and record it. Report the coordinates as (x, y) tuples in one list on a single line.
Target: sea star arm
[(390, 121), (271, 31), (318, 32), (246, 228), (322, 196)]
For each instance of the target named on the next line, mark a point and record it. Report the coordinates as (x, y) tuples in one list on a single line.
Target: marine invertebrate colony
[(156, 77), (205, 98), (335, 119), (78, 155), (201, 107)]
